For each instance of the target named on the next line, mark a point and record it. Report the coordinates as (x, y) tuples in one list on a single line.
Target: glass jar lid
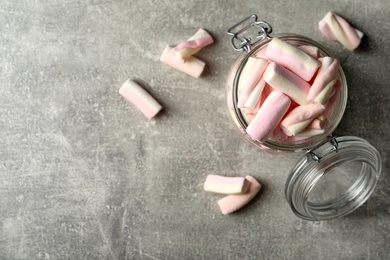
[(333, 179)]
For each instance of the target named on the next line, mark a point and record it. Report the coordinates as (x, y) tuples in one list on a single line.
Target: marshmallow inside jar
[(270, 105)]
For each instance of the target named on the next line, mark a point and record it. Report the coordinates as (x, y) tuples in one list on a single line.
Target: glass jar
[(336, 175)]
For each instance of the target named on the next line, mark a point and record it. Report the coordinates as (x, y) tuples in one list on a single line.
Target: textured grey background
[(84, 175)]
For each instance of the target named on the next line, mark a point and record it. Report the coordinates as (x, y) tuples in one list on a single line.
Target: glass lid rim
[(307, 159)]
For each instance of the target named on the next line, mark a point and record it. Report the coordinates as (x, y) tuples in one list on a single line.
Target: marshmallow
[(255, 95), (336, 28), (310, 132), (226, 185), (250, 76), (268, 117), (250, 113), (232, 203), (311, 50), (300, 117), (192, 45), (287, 82), (333, 100), (318, 123), (140, 98), (261, 53), (292, 58), (304, 135), (326, 76), (192, 66), (325, 94), (278, 134)]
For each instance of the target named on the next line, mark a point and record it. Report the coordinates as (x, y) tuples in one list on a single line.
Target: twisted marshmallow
[(336, 28), (193, 44)]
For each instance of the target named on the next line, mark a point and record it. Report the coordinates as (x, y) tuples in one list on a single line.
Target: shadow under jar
[(337, 174)]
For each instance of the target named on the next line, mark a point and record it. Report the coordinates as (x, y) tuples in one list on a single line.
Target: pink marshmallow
[(287, 82), (278, 135), (261, 53), (292, 58), (226, 185), (333, 100), (192, 66), (256, 94), (140, 98), (300, 117), (268, 117), (311, 50), (249, 78), (325, 76), (232, 203), (318, 123), (335, 28), (192, 45)]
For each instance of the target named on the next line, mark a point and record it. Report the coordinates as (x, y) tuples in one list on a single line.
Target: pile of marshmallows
[(296, 94), (286, 92), (290, 88)]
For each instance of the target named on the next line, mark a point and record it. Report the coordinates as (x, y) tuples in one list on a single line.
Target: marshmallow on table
[(300, 117), (232, 203), (287, 82), (292, 58), (336, 28), (226, 185), (268, 117), (140, 98), (192, 66), (250, 76), (192, 45), (326, 78)]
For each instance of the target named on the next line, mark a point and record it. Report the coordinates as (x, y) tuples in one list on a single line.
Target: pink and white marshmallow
[(232, 203), (313, 51), (255, 96), (226, 185), (333, 100), (287, 82), (192, 66), (318, 123), (324, 81), (292, 58), (250, 77), (140, 98), (299, 118), (336, 28), (188, 48), (268, 117)]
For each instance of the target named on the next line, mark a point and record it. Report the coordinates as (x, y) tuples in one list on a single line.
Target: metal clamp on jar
[(337, 174)]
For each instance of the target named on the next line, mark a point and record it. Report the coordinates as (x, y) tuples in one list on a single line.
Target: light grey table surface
[(84, 175)]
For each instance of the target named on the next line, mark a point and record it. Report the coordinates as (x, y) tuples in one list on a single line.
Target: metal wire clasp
[(241, 42), (317, 158)]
